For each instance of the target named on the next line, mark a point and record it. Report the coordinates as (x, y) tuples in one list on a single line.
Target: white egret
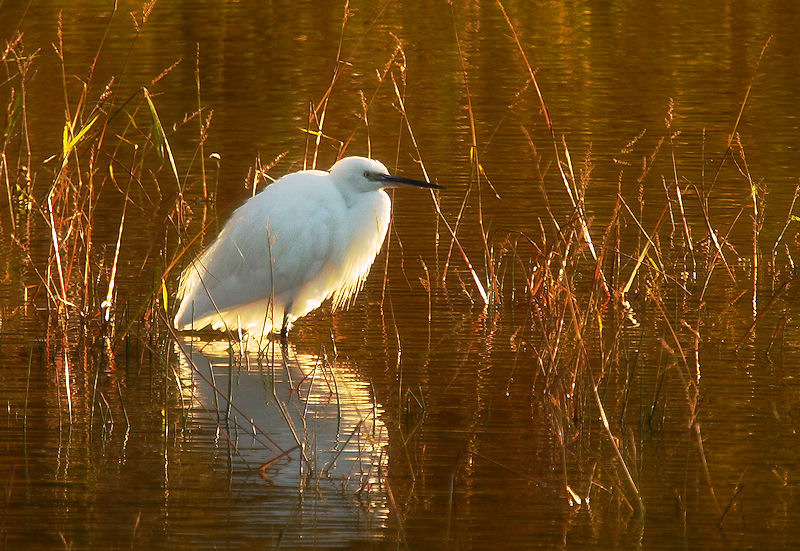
[(306, 237)]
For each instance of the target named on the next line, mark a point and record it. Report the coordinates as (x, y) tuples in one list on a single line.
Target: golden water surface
[(443, 410)]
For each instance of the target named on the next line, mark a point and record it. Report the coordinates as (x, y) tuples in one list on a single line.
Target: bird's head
[(359, 174)]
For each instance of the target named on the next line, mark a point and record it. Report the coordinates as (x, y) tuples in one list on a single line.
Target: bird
[(308, 236)]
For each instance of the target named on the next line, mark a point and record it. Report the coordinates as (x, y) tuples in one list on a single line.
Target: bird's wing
[(285, 235)]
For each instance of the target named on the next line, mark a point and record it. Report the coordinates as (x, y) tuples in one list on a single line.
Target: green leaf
[(162, 144), (12, 120), (164, 296), (158, 130), (65, 139), (69, 144)]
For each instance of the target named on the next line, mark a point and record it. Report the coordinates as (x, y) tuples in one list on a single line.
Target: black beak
[(400, 181)]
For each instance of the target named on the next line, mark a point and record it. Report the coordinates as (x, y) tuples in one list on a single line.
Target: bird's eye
[(367, 175)]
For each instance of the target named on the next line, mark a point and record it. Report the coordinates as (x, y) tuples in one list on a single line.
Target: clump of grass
[(593, 293), (113, 148)]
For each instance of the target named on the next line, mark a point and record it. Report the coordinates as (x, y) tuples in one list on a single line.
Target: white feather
[(309, 236)]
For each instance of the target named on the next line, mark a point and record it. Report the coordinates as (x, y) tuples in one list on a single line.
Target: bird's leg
[(285, 353)]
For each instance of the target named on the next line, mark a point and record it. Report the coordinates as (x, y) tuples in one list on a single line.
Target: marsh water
[(420, 418)]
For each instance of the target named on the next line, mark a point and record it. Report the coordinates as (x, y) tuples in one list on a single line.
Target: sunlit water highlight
[(307, 425)]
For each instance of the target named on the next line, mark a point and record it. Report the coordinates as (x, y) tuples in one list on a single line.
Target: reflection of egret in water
[(309, 428)]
